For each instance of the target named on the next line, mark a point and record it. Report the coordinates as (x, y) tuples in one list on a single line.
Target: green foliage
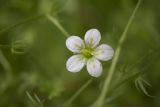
[(35, 101), (140, 85), (33, 53)]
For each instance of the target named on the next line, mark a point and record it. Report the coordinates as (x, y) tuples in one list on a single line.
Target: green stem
[(108, 79), (5, 46), (58, 25), (20, 23), (7, 67), (78, 93)]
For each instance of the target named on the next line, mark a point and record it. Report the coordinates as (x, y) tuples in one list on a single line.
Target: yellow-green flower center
[(87, 52)]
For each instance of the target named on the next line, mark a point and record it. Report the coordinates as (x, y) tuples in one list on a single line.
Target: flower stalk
[(58, 25), (78, 92), (108, 79)]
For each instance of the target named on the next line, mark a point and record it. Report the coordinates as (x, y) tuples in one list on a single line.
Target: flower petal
[(74, 44), (103, 52), (94, 67), (75, 63), (92, 38)]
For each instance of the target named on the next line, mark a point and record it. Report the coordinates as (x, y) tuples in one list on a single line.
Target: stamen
[(87, 52)]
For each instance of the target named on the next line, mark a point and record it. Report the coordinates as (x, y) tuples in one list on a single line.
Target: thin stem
[(7, 67), (5, 46), (20, 23), (78, 93), (58, 25), (108, 79), (124, 34)]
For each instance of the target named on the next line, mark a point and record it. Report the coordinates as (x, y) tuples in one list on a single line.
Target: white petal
[(75, 63), (103, 52), (92, 38), (74, 44), (94, 67)]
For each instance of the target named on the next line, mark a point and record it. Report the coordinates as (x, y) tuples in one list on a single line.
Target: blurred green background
[(33, 52)]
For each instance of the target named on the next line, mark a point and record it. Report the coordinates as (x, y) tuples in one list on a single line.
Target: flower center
[(87, 52)]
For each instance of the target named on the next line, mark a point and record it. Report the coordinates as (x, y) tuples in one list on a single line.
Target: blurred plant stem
[(58, 25), (105, 90), (35, 101), (69, 102), (7, 67), (5, 46), (32, 18)]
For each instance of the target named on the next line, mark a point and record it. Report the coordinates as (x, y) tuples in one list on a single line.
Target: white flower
[(88, 53)]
